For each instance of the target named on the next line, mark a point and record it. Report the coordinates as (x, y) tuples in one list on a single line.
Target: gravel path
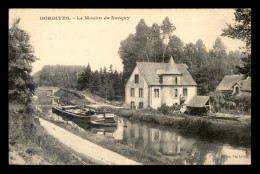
[(97, 154)]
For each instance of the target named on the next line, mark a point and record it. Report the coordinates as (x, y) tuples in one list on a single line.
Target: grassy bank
[(226, 131), (30, 144)]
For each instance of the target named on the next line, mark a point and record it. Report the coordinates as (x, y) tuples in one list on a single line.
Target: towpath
[(90, 99), (99, 104), (95, 153)]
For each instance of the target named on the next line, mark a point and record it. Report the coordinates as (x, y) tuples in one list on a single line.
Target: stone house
[(237, 84), (151, 84)]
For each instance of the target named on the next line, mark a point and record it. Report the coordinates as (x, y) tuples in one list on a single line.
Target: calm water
[(166, 142)]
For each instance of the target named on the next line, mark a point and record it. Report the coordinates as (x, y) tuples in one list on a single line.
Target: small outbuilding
[(199, 105)]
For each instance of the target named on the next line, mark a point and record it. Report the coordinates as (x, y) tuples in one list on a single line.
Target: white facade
[(136, 86), (164, 84)]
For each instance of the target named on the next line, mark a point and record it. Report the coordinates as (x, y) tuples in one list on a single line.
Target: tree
[(234, 59), (155, 44), (190, 53), (242, 30), (20, 58), (167, 28), (202, 54), (218, 57), (84, 79), (218, 99), (175, 49), (96, 81), (146, 45)]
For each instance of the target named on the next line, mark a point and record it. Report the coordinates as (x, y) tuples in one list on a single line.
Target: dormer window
[(237, 90), (136, 78)]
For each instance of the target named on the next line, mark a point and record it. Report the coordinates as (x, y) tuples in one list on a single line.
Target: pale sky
[(77, 42)]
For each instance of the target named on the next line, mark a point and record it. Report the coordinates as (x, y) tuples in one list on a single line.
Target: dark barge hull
[(71, 116)]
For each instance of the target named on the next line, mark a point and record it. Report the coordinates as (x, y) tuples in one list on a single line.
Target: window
[(141, 105), (161, 79), (176, 93), (176, 80), (237, 90), (140, 92), (136, 78), (132, 94), (156, 93), (185, 92), (132, 105)]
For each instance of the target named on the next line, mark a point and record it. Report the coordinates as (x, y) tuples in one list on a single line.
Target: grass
[(30, 144)]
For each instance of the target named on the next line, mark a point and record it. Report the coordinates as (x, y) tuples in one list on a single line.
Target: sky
[(85, 36)]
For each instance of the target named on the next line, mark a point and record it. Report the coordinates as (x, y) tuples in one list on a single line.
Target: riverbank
[(143, 156), (235, 132), (92, 151), (30, 144)]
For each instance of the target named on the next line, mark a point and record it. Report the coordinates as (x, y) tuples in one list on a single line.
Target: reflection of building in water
[(155, 138), (119, 132), (155, 135), (170, 143)]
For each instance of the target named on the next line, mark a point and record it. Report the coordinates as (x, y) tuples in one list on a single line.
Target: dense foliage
[(20, 58), (62, 76), (242, 30), (107, 84), (158, 44)]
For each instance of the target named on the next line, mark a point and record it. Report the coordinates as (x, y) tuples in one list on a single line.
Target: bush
[(164, 109), (168, 110)]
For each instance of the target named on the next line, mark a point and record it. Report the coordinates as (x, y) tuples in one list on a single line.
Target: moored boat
[(73, 112), (103, 119), (86, 114)]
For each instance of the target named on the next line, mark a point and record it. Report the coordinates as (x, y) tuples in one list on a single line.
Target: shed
[(199, 105)]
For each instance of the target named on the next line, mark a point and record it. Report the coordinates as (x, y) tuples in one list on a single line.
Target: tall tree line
[(20, 57), (158, 43), (64, 76), (105, 83)]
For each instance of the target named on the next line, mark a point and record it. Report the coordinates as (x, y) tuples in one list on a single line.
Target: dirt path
[(97, 154), (99, 104), (90, 99)]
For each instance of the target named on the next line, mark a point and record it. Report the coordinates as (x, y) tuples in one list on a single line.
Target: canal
[(163, 141)]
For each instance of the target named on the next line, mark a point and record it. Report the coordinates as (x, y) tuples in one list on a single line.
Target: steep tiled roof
[(230, 80), (150, 71), (246, 85), (171, 68), (198, 101)]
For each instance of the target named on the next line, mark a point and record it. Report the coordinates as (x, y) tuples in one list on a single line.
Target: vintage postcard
[(129, 86)]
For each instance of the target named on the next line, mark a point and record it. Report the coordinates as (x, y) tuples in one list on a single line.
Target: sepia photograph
[(129, 86)]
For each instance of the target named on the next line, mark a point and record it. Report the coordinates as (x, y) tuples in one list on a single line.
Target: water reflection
[(171, 144), (166, 142), (163, 141)]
